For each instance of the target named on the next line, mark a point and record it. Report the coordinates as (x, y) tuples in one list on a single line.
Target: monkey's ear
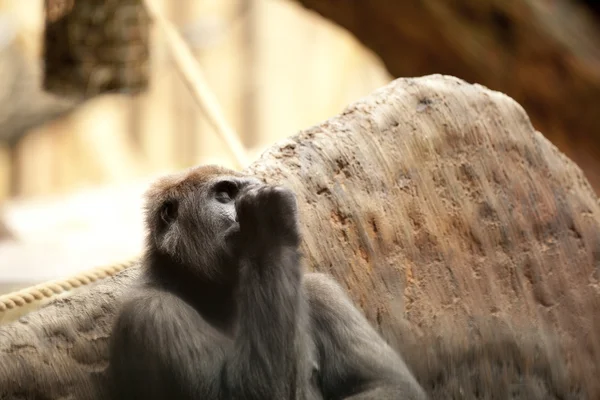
[(168, 211)]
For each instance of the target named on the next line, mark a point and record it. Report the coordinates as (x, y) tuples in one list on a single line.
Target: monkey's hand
[(268, 217), (269, 295)]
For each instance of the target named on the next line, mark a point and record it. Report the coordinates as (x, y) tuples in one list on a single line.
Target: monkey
[(223, 309)]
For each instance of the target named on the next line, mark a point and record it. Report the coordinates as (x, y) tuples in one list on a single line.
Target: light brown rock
[(468, 239), (544, 54)]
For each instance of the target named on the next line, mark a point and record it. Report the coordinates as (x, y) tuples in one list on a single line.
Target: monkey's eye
[(225, 191), (168, 211)]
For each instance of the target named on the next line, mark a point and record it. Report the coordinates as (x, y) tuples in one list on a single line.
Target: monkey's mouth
[(232, 232)]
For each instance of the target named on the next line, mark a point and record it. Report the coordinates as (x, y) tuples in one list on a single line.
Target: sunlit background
[(72, 173), (70, 190)]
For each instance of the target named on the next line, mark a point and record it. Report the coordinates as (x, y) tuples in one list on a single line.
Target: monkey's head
[(190, 219)]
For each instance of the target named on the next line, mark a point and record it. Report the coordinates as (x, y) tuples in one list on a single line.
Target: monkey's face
[(192, 219)]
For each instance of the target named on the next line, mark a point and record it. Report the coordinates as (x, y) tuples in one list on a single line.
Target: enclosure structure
[(92, 48)]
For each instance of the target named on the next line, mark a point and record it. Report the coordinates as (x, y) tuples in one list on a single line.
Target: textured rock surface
[(468, 239), (544, 54)]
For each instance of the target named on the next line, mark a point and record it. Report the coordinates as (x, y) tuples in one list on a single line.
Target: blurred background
[(72, 169)]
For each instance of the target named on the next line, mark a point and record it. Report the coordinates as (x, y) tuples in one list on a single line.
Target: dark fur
[(226, 313)]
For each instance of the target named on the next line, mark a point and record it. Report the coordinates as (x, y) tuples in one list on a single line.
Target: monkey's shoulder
[(321, 287), (157, 307)]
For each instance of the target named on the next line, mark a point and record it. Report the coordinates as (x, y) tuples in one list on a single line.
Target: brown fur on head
[(188, 217)]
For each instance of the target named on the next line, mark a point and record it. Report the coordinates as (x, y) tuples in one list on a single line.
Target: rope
[(187, 65), (50, 289)]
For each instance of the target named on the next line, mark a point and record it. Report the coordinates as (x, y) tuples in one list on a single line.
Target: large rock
[(468, 239), (544, 54)]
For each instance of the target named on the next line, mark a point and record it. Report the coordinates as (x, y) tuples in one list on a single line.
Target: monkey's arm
[(355, 362), (162, 348), (262, 364)]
